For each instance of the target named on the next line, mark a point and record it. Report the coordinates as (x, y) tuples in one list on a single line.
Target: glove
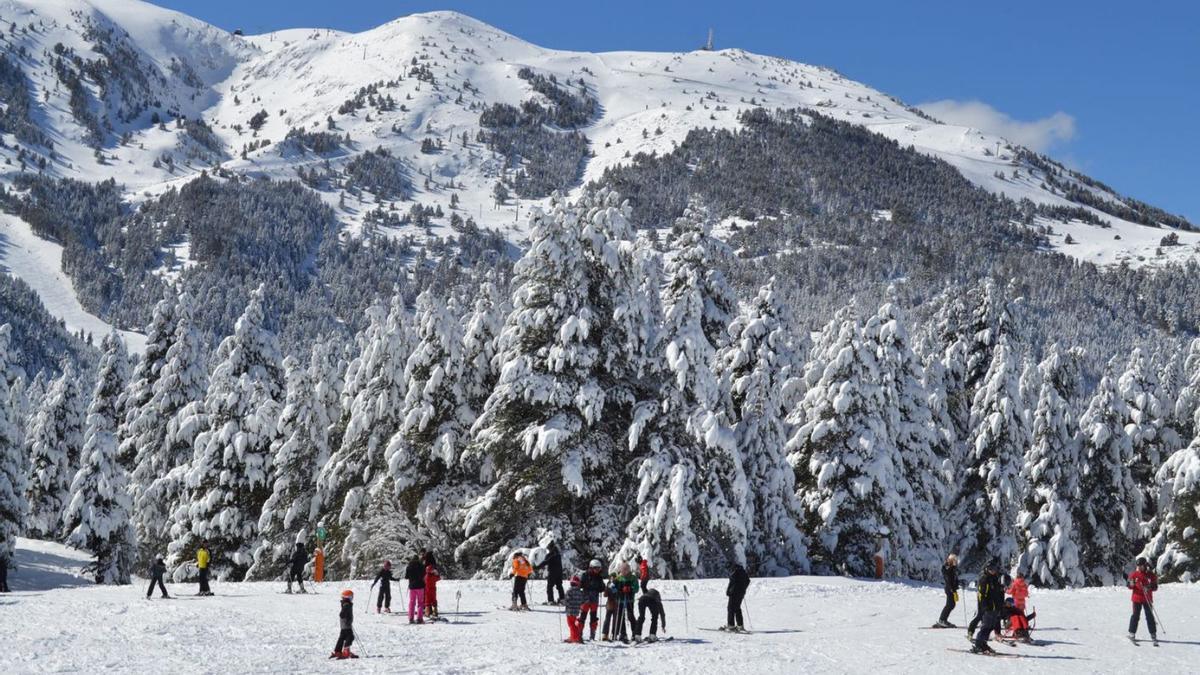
[(956, 596)]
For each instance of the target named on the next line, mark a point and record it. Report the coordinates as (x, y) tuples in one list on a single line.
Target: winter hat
[(158, 557), (575, 580), (594, 563), (387, 564), (347, 594), (1142, 561)]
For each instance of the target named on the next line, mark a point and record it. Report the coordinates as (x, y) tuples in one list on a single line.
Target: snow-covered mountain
[(125, 90)]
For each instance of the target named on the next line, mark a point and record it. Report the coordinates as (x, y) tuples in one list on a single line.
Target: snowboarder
[(202, 560), (554, 573), (432, 576), (4, 574), (739, 581), (296, 569), (384, 578), (521, 569), (593, 586), (157, 569), (415, 574), (650, 601), (950, 586), (1142, 583), (991, 607), (626, 590), (346, 635), (1019, 590), (573, 604), (643, 571), (1018, 621)]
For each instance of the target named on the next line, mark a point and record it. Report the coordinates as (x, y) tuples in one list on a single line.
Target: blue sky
[(1111, 88)]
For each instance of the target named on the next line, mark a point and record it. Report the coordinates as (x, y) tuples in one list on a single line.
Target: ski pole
[(360, 644), (1157, 621), (686, 628), (560, 623)]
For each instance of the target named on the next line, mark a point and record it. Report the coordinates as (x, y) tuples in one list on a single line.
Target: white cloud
[(1036, 135)]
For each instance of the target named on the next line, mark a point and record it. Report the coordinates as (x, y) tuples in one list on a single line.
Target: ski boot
[(983, 650), (347, 654), (604, 638), (336, 655)]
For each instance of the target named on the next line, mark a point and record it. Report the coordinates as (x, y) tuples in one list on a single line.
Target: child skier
[(573, 604), (384, 578), (1019, 590), (643, 571), (346, 636), (650, 601), (593, 586), (1018, 621), (432, 576), (610, 610), (950, 586), (157, 570), (202, 559), (415, 574), (627, 588), (1143, 583), (296, 569), (521, 570)]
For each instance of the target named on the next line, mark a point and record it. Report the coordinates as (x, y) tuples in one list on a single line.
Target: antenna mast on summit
[(708, 46)]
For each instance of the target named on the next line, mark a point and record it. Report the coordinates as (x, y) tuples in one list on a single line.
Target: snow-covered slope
[(800, 624), (179, 66)]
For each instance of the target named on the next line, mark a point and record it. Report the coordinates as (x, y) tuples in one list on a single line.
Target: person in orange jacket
[(319, 564), (521, 570), (1019, 590)]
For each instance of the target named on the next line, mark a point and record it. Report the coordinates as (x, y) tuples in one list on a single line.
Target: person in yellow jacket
[(521, 570), (202, 559)]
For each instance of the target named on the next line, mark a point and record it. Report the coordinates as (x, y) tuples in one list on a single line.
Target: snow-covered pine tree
[(13, 508), (753, 366), (986, 508), (166, 429), (1046, 533), (301, 449), (481, 338), (567, 413), (435, 420), (1188, 399), (1175, 546), (922, 449), (845, 459), (228, 479), (371, 400), (140, 425), (1145, 426), (1031, 387), (53, 429), (97, 517), (1106, 505)]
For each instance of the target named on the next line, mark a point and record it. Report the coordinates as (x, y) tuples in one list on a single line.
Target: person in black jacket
[(594, 586), (554, 573), (950, 586), (296, 570), (650, 601), (739, 581), (157, 570), (415, 574), (991, 606), (346, 622), (3, 573), (384, 578)]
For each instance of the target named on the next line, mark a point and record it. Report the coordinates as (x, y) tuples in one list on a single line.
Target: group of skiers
[(422, 575), (1000, 606)]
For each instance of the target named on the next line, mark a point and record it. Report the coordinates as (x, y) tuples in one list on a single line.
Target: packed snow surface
[(55, 621)]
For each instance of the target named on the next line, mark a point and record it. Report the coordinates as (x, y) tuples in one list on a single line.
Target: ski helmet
[(347, 594), (575, 580), (594, 563)]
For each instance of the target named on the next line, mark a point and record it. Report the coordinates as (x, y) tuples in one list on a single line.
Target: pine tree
[(140, 425), (13, 507), (1175, 548), (1188, 399), (922, 449), (1106, 507), (1144, 425), (228, 479), (986, 508), (753, 366), (1046, 531), (481, 337), (373, 394), (301, 449), (166, 428), (846, 462), (97, 518), (54, 431)]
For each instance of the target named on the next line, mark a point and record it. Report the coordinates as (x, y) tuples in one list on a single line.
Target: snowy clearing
[(55, 622)]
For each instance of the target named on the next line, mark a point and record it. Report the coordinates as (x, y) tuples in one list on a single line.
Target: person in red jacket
[(1143, 583), (432, 576), (1019, 590), (643, 571)]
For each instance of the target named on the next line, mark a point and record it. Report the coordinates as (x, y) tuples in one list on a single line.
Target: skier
[(593, 585), (4, 573), (1018, 621), (643, 571), (739, 581), (610, 610), (296, 569), (319, 564), (202, 560), (950, 586), (991, 607), (1143, 583), (1019, 590), (554, 573), (521, 570), (626, 591), (573, 604), (157, 570), (384, 578), (415, 574), (346, 636), (432, 576), (650, 601)]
